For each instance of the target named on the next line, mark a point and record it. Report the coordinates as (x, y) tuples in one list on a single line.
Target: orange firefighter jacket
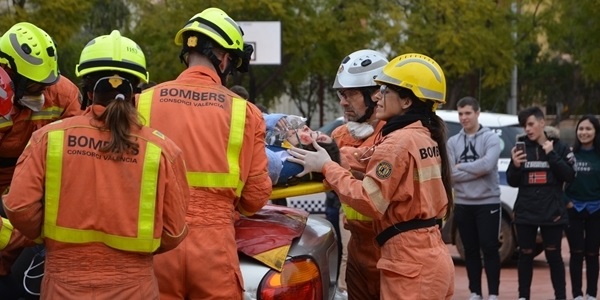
[(62, 100), (344, 138), (222, 139), (11, 240), (74, 195), (402, 178)]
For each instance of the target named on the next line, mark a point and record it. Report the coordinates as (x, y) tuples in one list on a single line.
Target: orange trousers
[(98, 273), (204, 266), (362, 275), (416, 265)]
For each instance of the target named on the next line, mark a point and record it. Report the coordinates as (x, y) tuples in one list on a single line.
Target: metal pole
[(511, 106)]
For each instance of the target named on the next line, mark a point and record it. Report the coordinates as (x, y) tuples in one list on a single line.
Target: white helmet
[(359, 69)]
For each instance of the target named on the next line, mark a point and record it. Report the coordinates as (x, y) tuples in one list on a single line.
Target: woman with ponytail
[(406, 187), (101, 191)]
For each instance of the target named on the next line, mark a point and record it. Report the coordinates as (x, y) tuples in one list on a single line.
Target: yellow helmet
[(112, 53), (216, 24), (418, 73), (30, 52)]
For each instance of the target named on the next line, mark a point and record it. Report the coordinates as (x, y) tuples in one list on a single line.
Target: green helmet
[(112, 53), (216, 24), (30, 52)]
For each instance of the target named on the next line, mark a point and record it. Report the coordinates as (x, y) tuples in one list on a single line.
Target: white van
[(507, 127)]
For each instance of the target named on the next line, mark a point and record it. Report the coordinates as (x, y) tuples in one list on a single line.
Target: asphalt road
[(541, 287)]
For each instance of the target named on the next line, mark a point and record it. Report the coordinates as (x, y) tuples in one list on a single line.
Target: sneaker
[(475, 297), (493, 297), (578, 298), (588, 297), (522, 298)]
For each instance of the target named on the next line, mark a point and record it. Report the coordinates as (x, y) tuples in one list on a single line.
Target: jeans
[(552, 236), (584, 241), (479, 228)]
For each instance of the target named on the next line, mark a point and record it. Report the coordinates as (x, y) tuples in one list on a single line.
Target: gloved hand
[(313, 161)]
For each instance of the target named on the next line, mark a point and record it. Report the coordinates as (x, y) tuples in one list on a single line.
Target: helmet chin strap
[(370, 107)]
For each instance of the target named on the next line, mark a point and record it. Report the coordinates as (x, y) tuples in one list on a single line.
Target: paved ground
[(541, 286)]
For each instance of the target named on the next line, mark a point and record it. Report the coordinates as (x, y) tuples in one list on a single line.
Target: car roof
[(485, 118)]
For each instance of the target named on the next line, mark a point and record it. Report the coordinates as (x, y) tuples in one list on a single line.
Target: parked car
[(507, 127), (309, 272)]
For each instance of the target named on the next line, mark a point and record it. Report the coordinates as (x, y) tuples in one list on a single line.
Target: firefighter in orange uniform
[(41, 96), (222, 138), (104, 192), (406, 187), (356, 88)]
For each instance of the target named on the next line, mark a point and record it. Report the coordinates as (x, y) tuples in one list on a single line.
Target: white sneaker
[(578, 298), (493, 297), (588, 297), (475, 297), (522, 298)]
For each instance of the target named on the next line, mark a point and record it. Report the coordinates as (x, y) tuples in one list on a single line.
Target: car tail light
[(299, 279)]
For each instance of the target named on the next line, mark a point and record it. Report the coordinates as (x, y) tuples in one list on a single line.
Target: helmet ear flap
[(246, 57)]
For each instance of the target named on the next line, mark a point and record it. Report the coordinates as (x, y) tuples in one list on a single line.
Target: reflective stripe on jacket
[(223, 142), (69, 191), (344, 138), (234, 146), (143, 242), (61, 100), (6, 230)]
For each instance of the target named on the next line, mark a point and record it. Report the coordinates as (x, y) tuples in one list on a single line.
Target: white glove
[(313, 161)]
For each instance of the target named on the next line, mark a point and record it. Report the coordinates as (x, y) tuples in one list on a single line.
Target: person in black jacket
[(540, 172)]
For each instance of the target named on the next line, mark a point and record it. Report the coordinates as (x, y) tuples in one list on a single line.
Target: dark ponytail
[(439, 133), (120, 115)]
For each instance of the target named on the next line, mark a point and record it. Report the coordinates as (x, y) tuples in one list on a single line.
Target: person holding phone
[(520, 146), (539, 171)]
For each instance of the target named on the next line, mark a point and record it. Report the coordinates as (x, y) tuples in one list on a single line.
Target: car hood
[(268, 234)]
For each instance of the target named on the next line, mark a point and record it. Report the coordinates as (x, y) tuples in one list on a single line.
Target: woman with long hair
[(102, 192), (583, 204), (406, 188)]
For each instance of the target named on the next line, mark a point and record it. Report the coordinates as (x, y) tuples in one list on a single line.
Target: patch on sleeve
[(383, 170), (159, 134)]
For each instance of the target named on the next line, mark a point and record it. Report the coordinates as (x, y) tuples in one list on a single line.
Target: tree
[(61, 19)]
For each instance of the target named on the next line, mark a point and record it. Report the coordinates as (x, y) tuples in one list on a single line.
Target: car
[(507, 127), (310, 268)]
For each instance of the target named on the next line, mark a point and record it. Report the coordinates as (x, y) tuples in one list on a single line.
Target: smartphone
[(520, 146)]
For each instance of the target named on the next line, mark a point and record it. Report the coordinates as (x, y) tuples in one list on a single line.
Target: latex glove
[(313, 161)]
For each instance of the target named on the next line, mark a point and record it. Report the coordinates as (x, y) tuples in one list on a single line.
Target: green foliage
[(553, 42)]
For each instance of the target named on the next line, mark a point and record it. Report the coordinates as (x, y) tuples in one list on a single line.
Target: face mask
[(360, 131), (35, 103)]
